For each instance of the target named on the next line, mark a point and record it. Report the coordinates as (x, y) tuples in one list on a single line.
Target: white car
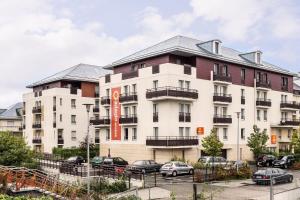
[(176, 167)]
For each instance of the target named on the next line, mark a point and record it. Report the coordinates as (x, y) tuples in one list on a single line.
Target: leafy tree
[(14, 152), (211, 144), (295, 143), (257, 141)]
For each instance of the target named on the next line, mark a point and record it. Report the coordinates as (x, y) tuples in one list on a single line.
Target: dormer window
[(216, 47), (258, 57)]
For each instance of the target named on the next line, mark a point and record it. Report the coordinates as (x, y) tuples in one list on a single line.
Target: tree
[(14, 152), (257, 141), (211, 144), (295, 143)]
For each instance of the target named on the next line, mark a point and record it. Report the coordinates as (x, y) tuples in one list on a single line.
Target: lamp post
[(238, 142), (88, 108)]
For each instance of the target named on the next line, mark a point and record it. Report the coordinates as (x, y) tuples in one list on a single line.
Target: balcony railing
[(284, 88), (223, 119), (60, 141), (222, 77), (97, 140), (37, 141), (100, 121), (171, 92), (37, 109), (105, 100), (96, 109), (128, 119), (221, 97), (172, 141), (263, 84), (128, 97), (263, 102), (129, 75), (155, 117), (290, 122), (184, 117), (290, 104), (37, 125)]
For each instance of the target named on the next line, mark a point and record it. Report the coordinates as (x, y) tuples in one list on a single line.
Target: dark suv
[(265, 160), (284, 161)]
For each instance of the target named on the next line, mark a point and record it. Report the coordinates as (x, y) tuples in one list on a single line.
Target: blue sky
[(41, 37)]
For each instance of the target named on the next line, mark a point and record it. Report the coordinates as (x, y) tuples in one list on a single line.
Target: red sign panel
[(273, 139), (115, 114)]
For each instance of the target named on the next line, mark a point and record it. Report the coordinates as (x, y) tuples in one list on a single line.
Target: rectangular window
[(181, 131), (143, 65), (133, 88), (258, 115), (243, 75), (243, 114), (242, 92), (107, 92), (60, 101), (134, 134), (225, 70), (216, 110), (225, 136), (73, 119), (107, 133), (216, 47), (107, 112), (289, 133), (242, 133), (155, 110), (155, 84), (265, 115), (126, 134), (180, 84), (216, 89), (73, 135), (155, 132), (126, 90), (73, 103), (134, 110), (54, 101), (279, 133), (187, 131), (187, 85), (60, 117)]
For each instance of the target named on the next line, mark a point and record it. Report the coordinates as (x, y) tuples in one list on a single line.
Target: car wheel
[(174, 173), (290, 179), (191, 172), (143, 171)]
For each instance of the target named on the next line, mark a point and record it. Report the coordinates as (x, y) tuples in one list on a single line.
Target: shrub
[(7, 197), (199, 165), (296, 166)]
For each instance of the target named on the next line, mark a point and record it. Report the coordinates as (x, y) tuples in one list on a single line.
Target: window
[(107, 133), (107, 112), (133, 88), (134, 110), (54, 101), (126, 134), (265, 96), (216, 110), (258, 58), (243, 93), (265, 115), (242, 133), (134, 134), (243, 75), (143, 65), (73, 103), (54, 117), (284, 98), (187, 131), (243, 114), (289, 133), (258, 115), (60, 117), (216, 68), (155, 110), (225, 70), (225, 136), (107, 91), (187, 84), (73, 119), (181, 131), (180, 83), (224, 111), (155, 84), (134, 67), (126, 111), (73, 135), (217, 46), (60, 101), (126, 90), (155, 131), (216, 89), (284, 82), (279, 133)]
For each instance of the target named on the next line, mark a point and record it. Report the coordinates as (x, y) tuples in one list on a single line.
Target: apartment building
[(11, 120), (54, 114), (161, 101)]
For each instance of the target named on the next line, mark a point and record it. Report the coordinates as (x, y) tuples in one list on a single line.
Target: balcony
[(184, 117), (128, 119), (289, 105), (37, 125), (129, 75), (96, 109), (105, 100), (37, 140), (222, 119), (155, 117), (60, 140), (168, 92), (172, 141), (263, 84), (223, 78), (97, 140), (103, 121), (289, 122), (128, 97), (243, 100), (263, 103), (37, 109), (223, 98)]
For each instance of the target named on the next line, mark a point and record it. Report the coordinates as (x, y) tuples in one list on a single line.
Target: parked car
[(144, 166), (115, 161), (71, 164), (75, 160), (175, 168), (278, 176), (97, 161), (214, 161), (284, 161), (265, 160)]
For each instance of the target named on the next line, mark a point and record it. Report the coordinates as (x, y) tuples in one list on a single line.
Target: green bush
[(65, 153), (103, 187), (7, 197), (200, 165)]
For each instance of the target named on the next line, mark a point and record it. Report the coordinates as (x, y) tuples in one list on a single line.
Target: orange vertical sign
[(200, 130), (273, 139), (115, 114)]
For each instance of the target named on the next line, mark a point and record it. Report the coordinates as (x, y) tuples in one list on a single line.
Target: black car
[(278, 176), (71, 164), (284, 161), (265, 160), (75, 160), (115, 161), (144, 166)]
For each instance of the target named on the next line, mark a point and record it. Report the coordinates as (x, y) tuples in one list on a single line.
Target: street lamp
[(238, 142), (88, 108)]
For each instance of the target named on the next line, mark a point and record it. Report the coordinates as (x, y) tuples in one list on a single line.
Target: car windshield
[(139, 162), (72, 158), (168, 165), (261, 172), (283, 158)]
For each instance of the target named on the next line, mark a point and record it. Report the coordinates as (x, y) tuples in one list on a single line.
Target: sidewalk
[(233, 183), (155, 193)]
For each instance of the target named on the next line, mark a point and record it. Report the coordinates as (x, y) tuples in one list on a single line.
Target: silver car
[(176, 167), (213, 161)]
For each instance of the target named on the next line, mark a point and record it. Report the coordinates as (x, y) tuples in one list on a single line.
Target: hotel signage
[(115, 114)]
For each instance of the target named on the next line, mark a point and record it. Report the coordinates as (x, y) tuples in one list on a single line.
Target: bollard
[(149, 194), (155, 179), (194, 191), (271, 188), (129, 180)]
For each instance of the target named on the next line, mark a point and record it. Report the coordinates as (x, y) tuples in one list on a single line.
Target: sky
[(41, 37)]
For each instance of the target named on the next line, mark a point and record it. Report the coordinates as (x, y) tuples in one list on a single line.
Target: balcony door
[(217, 69)]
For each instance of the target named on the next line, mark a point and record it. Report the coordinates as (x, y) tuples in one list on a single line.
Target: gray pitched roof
[(191, 46), (80, 72), (13, 112), (2, 110), (297, 83)]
